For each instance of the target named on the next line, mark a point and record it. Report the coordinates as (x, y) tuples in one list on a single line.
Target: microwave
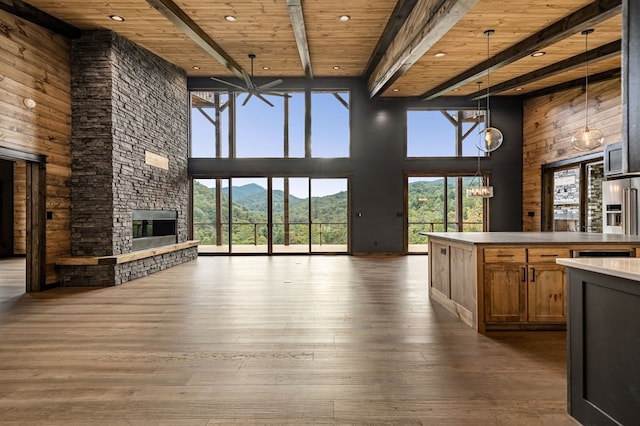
[(613, 159)]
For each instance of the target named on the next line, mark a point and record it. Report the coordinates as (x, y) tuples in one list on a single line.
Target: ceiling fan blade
[(263, 99), (227, 83), (270, 84), (247, 99)]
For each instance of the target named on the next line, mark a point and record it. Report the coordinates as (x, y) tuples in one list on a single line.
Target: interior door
[(6, 208)]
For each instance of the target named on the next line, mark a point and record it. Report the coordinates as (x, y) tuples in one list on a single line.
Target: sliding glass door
[(440, 204), (271, 215)]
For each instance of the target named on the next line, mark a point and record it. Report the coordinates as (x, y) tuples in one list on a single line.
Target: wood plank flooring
[(270, 340)]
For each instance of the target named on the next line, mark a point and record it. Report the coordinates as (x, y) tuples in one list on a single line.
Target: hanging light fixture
[(587, 138), (490, 137), (477, 188)]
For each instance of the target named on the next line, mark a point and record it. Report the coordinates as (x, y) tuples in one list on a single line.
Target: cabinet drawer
[(505, 255), (547, 255)]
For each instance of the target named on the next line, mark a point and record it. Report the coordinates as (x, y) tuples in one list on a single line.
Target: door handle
[(632, 215)]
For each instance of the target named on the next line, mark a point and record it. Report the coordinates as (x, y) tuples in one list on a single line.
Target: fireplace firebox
[(153, 228)]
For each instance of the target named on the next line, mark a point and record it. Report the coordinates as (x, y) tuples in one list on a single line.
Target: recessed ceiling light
[(457, 89), (344, 18), (230, 18), (266, 68), (396, 90), (439, 55), (116, 18), (538, 53), (195, 67), (336, 67), (519, 89)]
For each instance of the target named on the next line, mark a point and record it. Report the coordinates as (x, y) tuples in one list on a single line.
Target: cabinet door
[(439, 255), (546, 293), (505, 292)]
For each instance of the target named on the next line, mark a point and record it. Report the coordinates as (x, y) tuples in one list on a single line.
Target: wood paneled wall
[(19, 208), (549, 123), (35, 64)]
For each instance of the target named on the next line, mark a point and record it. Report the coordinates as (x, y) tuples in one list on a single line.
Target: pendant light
[(491, 137), (477, 188), (587, 138)]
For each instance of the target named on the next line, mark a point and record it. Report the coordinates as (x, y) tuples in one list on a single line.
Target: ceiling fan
[(253, 89)]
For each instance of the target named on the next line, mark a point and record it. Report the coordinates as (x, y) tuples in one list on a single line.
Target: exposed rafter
[(594, 78), (181, 20), (397, 19), (427, 23), (300, 33), (584, 18), (30, 13), (600, 53)]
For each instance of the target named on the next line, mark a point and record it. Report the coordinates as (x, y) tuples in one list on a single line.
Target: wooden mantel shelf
[(123, 258)]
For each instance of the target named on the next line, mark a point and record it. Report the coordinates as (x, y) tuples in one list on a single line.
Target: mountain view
[(329, 214)]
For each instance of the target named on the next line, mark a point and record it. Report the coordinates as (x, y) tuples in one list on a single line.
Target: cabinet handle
[(533, 275), (443, 250), (524, 274), (549, 255), (505, 255)]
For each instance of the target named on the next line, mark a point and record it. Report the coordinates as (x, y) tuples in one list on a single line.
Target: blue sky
[(260, 134)]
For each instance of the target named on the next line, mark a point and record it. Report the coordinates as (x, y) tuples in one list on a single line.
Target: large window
[(432, 133), (226, 125), (440, 204), (271, 215), (330, 124)]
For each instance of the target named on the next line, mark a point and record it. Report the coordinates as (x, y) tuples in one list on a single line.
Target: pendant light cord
[(488, 34), (586, 78)]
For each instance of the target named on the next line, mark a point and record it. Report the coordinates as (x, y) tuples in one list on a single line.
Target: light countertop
[(621, 267), (533, 238)]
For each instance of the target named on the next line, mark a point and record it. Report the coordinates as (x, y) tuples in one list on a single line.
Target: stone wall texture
[(109, 275), (126, 102)]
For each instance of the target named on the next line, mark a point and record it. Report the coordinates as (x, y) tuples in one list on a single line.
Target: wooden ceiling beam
[(397, 19), (181, 20), (428, 22), (600, 53), (587, 17), (602, 76), (299, 31), (32, 14)]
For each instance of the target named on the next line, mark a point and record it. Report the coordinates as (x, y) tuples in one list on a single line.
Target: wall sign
[(156, 160)]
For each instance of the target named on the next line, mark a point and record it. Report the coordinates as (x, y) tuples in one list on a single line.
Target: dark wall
[(377, 166), (126, 102)]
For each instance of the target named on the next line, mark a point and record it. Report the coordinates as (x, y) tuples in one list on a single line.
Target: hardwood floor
[(270, 340), (12, 280)]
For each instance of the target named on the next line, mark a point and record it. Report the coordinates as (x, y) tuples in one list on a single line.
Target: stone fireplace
[(153, 228), (129, 183)]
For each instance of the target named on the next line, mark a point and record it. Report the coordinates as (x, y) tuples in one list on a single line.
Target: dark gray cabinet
[(603, 349)]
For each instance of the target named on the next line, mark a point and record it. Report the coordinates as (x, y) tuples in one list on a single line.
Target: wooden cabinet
[(505, 292), (524, 286), (509, 281)]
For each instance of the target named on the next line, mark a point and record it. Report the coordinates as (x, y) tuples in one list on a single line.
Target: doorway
[(23, 216), (7, 235), (572, 195)]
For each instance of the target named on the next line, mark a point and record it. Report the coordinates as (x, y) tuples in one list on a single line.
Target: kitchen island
[(603, 343), (510, 280)]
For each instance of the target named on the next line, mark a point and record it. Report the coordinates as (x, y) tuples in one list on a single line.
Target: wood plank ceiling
[(389, 43)]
